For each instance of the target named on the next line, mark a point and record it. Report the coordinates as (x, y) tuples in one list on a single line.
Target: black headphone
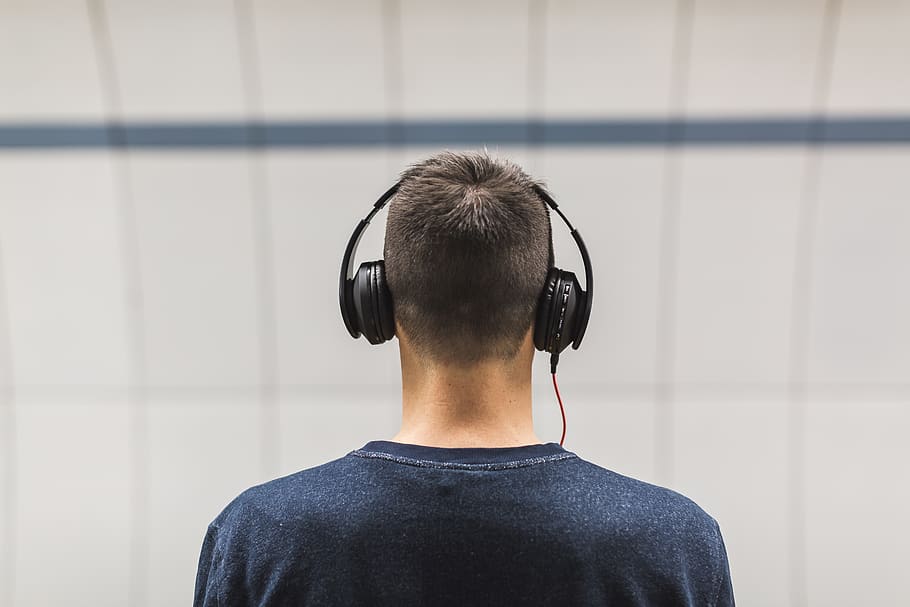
[(563, 308)]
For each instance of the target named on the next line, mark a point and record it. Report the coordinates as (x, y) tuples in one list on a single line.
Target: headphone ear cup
[(557, 312), (570, 305), (544, 304), (384, 310), (373, 303), (348, 309)]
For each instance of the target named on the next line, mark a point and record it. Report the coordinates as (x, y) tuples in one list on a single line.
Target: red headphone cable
[(554, 360), (561, 410)]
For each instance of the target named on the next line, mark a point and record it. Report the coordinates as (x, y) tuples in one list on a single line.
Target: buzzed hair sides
[(467, 248)]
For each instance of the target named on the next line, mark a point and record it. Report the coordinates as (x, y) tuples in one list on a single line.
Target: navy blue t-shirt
[(399, 524)]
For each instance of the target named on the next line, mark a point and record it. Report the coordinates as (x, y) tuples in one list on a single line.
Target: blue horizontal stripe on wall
[(799, 130)]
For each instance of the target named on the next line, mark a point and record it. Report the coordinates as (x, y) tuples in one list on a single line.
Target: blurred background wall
[(178, 181)]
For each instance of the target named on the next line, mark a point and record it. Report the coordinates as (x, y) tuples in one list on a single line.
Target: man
[(465, 505)]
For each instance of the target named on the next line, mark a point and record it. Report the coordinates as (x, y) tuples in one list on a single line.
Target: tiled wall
[(169, 331)]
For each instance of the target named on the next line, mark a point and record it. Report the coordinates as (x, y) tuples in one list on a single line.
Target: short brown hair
[(467, 248)]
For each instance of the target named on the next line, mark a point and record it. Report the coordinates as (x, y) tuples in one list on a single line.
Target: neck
[(486, 405)]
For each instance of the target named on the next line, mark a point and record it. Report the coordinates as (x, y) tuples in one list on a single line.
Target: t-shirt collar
[(464, 455)]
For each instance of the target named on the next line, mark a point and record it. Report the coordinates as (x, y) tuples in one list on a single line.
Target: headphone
[(563, 308)]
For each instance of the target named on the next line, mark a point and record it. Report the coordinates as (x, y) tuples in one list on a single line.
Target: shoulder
[(284, 498), (234, 559), (641, 498), (656, 529), (651, 515)]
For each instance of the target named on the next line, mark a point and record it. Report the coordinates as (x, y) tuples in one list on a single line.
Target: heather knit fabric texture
[(399, 524)]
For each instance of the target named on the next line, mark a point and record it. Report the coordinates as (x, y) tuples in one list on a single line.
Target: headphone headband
[(346, 279), (585, 259)]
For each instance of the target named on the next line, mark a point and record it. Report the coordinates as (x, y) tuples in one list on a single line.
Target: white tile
[(7, 497), (871, 57), (738, 216), (322, 424), (201, 456), (200, 302), (47, 62), (607, 58), (859, 326), (321, 59), (6, 359), (73, 502), (858, 487), (464, 59), (614, 198), (177, 59), (731, 459), (315, 206), (754, 57), (62, 255)]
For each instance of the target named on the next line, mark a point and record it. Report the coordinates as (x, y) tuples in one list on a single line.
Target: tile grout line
[(537, 80), (803, 275), (8, 448), (270, 422), (393, 98), (137, 395), (669, 250), (393, 68)]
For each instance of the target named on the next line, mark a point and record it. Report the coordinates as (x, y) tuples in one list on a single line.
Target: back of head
[(467, 250)]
